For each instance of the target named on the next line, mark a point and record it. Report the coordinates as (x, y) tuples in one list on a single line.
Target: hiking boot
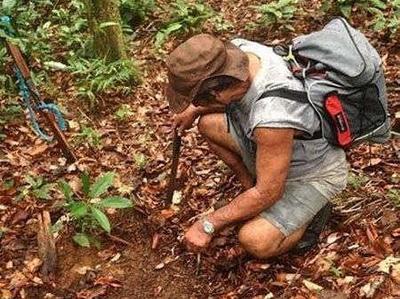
[(314, 229)]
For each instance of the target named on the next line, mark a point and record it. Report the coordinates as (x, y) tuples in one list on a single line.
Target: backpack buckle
[(289, 57)]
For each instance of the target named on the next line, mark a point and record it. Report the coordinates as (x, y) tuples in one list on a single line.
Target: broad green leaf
[(66, 189), (116, 202), (101, 185), (102, 219), (173, 27), (81, 240), (85, 179), (78, 209)]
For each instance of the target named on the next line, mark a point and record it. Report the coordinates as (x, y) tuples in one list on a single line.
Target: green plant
[(356, 181), (89, 136), (6, 81), (342, 7), (220, 24), (277, 12), (87, 207), (386, 16), (9, 113), (123, 112), (34, 38), (337, 272), (394, 196), (8, 184), (346, 7), (184, 18), (95, 77), (141, 160), (36, 187), (134, 12)]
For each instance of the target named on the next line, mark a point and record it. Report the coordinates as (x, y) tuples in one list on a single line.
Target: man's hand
[(185, 119), (196, 239)]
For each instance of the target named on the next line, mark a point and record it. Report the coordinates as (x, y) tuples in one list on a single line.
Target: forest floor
[(144, 257)]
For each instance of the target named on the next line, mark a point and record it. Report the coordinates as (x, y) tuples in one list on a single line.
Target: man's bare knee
[(205, 123), (260, 239)]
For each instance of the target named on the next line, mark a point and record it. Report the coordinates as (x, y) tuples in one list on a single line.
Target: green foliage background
[(55, 38)]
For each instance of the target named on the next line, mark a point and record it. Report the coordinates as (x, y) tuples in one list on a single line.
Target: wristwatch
[(208, 227)]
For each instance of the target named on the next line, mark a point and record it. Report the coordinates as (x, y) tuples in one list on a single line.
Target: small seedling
[(185, 17), (86, 208), (357, 181), (141, 160), (8, 184), (336, 271), (35, 187), (280, 12), (394, 196), (89, 136), (123, 112)]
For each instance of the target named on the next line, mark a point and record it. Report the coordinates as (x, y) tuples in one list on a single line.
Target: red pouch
[(338, 118)]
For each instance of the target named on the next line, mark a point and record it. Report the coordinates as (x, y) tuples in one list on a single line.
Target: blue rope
[(25, 93), (53, 108), (5, 21)]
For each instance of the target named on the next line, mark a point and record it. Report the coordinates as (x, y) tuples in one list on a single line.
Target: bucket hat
[(199, 58)]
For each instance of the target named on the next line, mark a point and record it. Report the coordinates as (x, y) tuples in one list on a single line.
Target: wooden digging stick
[(176, 149), (23, 68)]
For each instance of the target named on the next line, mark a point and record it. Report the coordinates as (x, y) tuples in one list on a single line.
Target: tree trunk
[(105, 24)]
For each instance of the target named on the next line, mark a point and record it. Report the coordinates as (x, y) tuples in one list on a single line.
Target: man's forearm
[(210, 109), (245, 206)]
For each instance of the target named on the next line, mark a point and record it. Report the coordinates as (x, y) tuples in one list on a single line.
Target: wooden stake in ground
[(176, 149), (47, 245)]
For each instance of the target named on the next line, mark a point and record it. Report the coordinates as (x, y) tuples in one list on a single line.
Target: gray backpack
[(344, 82)]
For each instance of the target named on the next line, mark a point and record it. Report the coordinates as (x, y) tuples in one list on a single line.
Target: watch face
[(208, 227)]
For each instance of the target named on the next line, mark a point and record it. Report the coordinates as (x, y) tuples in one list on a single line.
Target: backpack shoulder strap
[(296, 96), (293, 95)]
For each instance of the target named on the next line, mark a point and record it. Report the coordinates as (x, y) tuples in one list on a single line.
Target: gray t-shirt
[(275, 112)]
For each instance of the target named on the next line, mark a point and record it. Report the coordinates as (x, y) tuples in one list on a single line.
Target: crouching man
[(273, 145)]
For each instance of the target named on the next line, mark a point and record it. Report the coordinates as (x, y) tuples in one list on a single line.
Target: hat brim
[(236, 65), (177, 102)]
